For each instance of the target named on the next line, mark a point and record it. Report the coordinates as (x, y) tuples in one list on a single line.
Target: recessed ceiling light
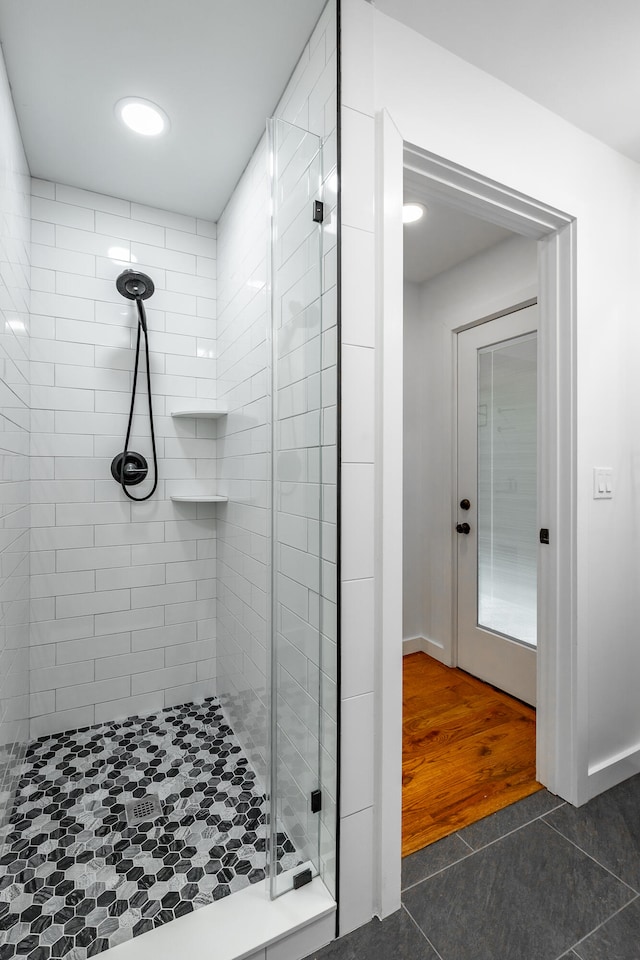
[(412, 212), (142, 116)]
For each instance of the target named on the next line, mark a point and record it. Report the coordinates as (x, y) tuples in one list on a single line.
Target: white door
[(497, 536)]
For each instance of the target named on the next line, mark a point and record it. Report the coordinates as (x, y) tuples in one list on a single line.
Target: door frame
[(561, 694)]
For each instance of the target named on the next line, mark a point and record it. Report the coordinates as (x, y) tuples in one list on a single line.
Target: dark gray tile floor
[(397, 936), (540, 880), (608, 828), (618, 939), (530, 895)]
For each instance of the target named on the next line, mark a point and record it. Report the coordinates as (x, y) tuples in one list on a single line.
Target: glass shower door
[(295, 158)]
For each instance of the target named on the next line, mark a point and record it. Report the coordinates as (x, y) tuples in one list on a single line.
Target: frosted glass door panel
[(507, 544)]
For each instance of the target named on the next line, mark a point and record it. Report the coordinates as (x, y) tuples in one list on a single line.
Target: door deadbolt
[(463, 528), (465, 504)]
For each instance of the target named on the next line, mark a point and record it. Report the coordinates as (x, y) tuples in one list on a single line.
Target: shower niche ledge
[(198, 498), (193, 491), (201, 410)]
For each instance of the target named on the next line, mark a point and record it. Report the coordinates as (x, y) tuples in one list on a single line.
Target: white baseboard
[(608, 773), (424, 645)]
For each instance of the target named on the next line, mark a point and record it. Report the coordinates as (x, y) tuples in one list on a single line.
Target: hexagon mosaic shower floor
[(78, 879)]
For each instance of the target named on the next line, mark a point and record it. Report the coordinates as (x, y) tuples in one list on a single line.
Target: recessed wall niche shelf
[(195, 491), (203, 498), (202, 413)]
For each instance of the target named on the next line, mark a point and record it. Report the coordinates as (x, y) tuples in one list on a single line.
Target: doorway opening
[(470, 515), (559, 697), (468, 751)]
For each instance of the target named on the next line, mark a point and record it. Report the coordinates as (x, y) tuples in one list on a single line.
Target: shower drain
[(143, 808)]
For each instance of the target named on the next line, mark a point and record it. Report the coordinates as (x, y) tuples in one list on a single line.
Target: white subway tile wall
[(123, 594), (14, 447), (358, 496), (307, 667)]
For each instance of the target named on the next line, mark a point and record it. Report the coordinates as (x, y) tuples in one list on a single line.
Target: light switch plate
[(602, 483)]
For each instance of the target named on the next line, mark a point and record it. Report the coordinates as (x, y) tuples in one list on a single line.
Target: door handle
[(463, 528)]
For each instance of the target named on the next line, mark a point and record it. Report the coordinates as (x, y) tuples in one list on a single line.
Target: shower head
[(134, 285)]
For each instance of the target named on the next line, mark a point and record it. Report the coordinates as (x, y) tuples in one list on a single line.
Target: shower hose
[(142, 328)]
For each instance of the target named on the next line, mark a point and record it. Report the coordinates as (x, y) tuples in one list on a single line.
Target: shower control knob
[(130, 469), (463, 528)]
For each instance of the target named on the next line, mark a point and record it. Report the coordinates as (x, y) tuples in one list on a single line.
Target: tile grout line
[(515, 829), (411, 886), (595, 929), (422, 933), (591, 857), (590, 933), (474, 851), (466, 842)]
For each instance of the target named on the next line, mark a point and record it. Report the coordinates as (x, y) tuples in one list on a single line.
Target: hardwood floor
[(468, 750)]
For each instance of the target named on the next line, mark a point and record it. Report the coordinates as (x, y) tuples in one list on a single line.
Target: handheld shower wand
[(129, 468)]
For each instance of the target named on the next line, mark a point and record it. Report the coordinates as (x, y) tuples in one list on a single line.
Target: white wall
[(435, 100), (244, 362), (494, 280), (14, 448), (123, 594), (486, 126)]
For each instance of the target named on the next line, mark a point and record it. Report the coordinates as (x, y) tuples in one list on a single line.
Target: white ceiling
[(217, 67), (443, 238), (579, 58)]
